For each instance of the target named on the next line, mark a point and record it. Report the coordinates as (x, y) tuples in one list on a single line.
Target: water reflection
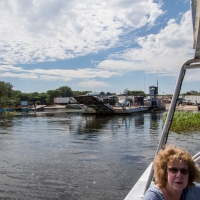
[(139, 120), (155, 123), (94, 123), (5, 124), (113, 124)]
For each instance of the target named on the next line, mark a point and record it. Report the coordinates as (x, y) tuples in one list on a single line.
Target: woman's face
[(177, 176)]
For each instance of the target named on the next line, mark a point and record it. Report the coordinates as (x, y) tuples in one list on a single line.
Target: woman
[(175, 173)]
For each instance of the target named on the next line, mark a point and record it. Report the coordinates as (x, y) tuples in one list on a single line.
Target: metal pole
[(170, 114)]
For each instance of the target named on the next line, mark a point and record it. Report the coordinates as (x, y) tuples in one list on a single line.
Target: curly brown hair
[(173, 155)]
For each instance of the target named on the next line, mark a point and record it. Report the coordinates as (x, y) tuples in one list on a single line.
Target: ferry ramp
[(95, 103)]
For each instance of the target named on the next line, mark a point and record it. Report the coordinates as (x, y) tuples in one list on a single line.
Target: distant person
[(175, 173)]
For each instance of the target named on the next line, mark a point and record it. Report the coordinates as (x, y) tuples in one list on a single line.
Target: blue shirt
[(190, 193), (153, 193), (193, 192)]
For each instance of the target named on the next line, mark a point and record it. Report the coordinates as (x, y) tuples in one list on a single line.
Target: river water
[(72, 156)]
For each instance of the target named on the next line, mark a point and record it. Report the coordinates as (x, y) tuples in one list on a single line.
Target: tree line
[(10, 97), (136, 93)]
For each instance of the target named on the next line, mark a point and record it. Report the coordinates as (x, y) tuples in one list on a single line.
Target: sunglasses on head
[(175, 170)]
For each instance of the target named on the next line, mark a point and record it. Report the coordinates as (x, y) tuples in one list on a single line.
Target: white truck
[(64, 100), (61, 100), (194, 99)]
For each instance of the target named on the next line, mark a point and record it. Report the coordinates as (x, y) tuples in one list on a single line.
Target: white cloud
[(53, 78), (161, 53), (192, 75), (47, 30), (91, 84), (40, 30), (19, 76), (54, 74), (10, 68)]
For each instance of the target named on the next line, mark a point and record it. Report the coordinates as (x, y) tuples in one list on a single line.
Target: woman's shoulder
[(193, 192), (153, 193)]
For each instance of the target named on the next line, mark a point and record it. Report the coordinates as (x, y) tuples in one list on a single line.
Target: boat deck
[(94, 105)]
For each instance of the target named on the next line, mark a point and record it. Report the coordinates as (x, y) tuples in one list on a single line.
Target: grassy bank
[(184, 121)]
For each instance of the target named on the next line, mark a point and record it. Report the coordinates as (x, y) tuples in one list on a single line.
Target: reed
[(184, 121), (10, 113)]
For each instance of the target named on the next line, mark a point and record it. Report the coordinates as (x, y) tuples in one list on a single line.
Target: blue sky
[(97, 45)]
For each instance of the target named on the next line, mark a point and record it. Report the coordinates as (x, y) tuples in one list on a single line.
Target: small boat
[(145, 180)]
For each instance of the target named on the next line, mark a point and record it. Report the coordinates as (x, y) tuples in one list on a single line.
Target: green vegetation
[(136, 93), (184, 121), (10, 98)]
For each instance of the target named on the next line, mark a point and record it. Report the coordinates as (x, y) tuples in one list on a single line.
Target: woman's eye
[(173, 171), (184, 171)]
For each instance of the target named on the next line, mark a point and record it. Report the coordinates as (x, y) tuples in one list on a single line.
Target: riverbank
[(62, 108), (178, 108), (183, 108)]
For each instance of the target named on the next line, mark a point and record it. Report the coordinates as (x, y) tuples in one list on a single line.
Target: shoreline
[(62, 108), (178, 108), (183, 108)]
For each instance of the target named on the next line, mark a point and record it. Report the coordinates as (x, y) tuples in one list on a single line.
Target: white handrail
[(196, 157), (187, 65)]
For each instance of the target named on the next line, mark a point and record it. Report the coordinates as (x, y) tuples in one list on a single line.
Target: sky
[(96, 45)]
